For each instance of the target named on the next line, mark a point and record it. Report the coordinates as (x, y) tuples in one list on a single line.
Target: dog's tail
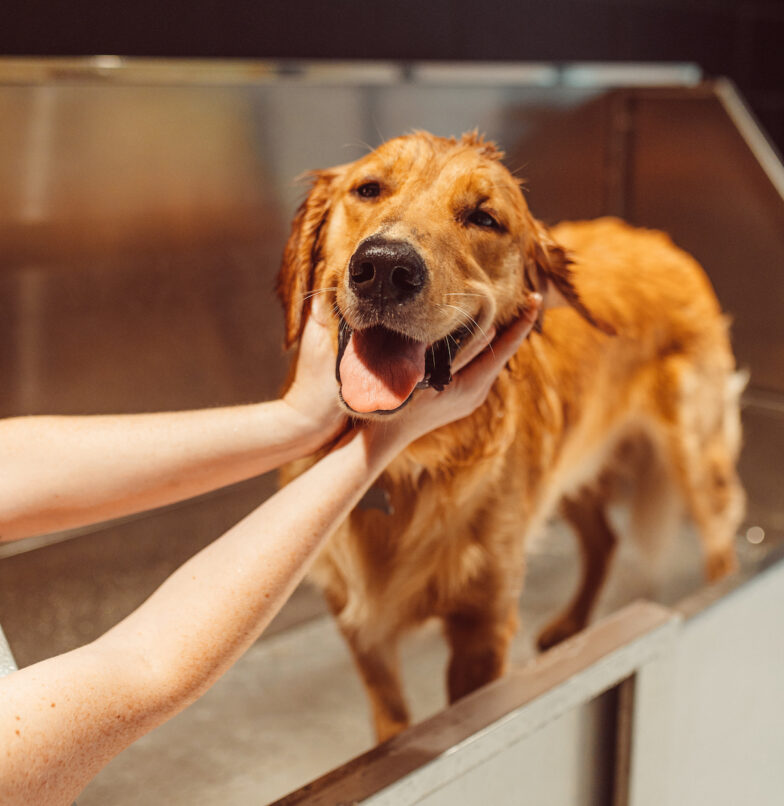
[(657, 506)]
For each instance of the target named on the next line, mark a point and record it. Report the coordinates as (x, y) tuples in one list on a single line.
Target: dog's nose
[(390, 271)]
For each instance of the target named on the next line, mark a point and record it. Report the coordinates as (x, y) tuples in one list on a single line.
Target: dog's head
[(419, 246)]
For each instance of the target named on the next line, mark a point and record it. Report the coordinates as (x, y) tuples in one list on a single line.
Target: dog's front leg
[(479, 640), (379, 669)]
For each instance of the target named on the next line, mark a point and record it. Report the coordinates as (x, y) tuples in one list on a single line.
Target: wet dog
[(628, 385)]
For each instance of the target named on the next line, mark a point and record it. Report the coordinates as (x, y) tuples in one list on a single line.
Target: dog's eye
[(368, 190), (483, 219)]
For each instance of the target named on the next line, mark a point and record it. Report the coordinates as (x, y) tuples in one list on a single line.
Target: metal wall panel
[(727, 729), (568, 762)]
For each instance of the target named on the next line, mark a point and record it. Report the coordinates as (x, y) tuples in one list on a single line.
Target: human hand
[(314, 392), (476, 369)]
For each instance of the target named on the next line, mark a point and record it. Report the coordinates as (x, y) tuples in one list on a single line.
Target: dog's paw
[(387, 728), (558, 630), (721, 563)]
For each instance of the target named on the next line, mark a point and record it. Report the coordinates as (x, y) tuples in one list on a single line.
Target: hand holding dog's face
[(312, 392), (476, 368), (419, 247)]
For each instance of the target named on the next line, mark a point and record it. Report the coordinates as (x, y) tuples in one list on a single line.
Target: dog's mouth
[(379, 369)]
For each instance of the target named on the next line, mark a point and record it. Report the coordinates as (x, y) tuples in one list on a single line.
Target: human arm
[(61, 720), (63, 472)]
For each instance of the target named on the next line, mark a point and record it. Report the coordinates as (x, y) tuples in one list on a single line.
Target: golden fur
[(628, 385)]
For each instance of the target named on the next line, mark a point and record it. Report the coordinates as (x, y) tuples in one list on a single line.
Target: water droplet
[(755, 535)]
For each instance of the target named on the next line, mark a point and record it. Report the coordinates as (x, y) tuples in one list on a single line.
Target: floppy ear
[(301, 254), (548, 272)]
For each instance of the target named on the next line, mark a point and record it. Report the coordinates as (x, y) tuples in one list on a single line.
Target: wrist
[(383, 442), (319, 422), (285, 433)]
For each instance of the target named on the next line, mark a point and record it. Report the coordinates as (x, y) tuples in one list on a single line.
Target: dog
[(626, 387)]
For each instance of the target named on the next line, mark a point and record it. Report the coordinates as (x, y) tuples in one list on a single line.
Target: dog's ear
[(547, 271), (301, 254)]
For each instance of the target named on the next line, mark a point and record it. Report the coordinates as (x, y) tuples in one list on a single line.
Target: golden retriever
[(629, 377)]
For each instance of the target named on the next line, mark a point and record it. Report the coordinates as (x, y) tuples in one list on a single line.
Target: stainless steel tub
[(143, 209)]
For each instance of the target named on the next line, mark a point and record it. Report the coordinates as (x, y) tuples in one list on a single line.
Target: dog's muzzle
[(384, 272), (379, 366)]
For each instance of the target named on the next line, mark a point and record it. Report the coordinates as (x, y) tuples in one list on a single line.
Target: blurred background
[(741, 39)]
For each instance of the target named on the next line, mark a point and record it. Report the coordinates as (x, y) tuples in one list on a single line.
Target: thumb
[(504, 346)]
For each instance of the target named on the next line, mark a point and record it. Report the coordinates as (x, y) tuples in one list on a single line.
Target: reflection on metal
[(227, 72), (38, 155), (755, 535), (7, 662), (619, 165), (493, 74), (631, 75), (758, 144), (30, 342), (118, 69)]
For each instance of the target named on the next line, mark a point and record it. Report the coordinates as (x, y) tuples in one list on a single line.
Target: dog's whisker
[(454, 341), (473, 321), (465, 319), (360, 144), (311, 294), (317, 291), (343, 326)]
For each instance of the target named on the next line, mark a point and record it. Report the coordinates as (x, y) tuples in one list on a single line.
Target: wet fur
[(629, 388)]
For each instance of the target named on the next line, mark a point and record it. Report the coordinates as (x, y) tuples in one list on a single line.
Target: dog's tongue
[(379, 369)]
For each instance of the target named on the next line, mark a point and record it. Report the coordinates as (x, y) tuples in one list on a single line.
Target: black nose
[(389, 271)]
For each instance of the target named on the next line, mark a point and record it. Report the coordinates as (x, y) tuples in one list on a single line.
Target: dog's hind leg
[(585, 513)]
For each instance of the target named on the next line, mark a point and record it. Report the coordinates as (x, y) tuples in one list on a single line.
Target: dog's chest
[(414, 548)]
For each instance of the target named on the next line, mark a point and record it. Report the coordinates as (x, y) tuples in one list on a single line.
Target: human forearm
[(173, 647), (61, 472), (218, 603)]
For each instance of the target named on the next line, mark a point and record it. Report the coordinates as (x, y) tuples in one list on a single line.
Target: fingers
[(507, 344), (313, 392), (319, 309), (493, 357), (480, 342)]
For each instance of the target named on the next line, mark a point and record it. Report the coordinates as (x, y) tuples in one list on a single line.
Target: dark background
[(740, 39)]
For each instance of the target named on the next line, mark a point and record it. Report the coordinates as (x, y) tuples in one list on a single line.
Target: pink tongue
[(379, 369)]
